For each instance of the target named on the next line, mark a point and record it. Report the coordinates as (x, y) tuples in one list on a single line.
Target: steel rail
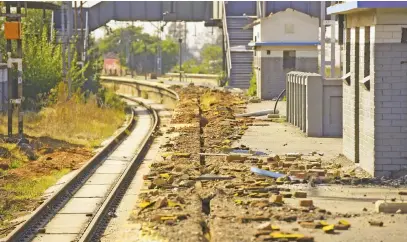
[(101, 219), (46, 211)]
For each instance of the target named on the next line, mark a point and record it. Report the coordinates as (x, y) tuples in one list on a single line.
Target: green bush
[(107, 98), (253, 85)]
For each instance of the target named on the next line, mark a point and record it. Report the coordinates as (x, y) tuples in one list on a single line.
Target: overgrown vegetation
[(253, 85), (137, 50), (210, 61), (207, 100), (31, 188), (90, 115), (81, 120)]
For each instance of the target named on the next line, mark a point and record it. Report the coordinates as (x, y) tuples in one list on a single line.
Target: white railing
[(314, 104), (226, 41)]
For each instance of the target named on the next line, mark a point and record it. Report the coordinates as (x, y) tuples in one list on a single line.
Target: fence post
[(314, 106), (304, 106), (287, 94)]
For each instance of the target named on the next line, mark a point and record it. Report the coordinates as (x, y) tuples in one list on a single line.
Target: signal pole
[(13, 31)]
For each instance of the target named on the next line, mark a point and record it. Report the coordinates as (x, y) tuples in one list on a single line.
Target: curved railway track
[(81, 209)]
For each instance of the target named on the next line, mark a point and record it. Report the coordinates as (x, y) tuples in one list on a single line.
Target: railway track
[(82, 208)]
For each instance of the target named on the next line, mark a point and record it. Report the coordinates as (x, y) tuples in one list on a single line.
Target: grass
[(34, 187), (328, 71), (22, 193), (74, 122), (78, 121), (16, 159), (253, 85)]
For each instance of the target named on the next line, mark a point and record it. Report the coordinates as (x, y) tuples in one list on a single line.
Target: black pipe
[(278, 98)]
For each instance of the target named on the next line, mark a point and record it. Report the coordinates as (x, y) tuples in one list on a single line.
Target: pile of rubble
[(202, 189)]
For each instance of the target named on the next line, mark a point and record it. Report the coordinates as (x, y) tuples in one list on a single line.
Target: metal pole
[(85, 42), (185, 39), (333, 41), (63, 39), (20, 81), (9, 85), (81, 27), (131, 59), (145, 60), (322, 71), (159, 60), (69, 29), (263, 9), (180, 59), (51, 27), (223, 50), (74, 20)]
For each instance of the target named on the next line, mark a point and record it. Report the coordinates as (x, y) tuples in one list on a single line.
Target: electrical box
[(12, 30)]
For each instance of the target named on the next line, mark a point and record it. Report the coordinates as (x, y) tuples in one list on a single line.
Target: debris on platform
[(376, 223), (382, 206)]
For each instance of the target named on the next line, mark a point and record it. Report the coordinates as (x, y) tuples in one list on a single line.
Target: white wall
[(304, 28), (257, 33)]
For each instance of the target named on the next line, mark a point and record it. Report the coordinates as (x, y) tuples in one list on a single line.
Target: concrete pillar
[(314, 106)]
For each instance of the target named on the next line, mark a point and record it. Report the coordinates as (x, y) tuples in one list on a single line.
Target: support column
[(322, 24)]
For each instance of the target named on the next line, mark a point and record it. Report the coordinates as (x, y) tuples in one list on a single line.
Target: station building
[(374, 63), (284, 41)]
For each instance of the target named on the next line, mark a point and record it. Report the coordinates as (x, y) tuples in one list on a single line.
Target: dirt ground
[(23, 180)]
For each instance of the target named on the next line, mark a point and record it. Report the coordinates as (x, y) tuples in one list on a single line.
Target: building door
[(289, 60)]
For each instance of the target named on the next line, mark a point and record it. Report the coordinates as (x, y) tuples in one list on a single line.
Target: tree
[(170, 51), (177, 30), (42, 64), (137, 50)]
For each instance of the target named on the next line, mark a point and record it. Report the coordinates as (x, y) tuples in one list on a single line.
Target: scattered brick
[(300, 194), (286, 194), (341, 227), (317, 172), (290, 158), (306, 203), (308, 225), (329, 228), (376, 223), (273, 158), (276, 198)]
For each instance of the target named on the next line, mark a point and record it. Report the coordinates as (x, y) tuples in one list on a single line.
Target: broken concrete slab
[(382, 206)]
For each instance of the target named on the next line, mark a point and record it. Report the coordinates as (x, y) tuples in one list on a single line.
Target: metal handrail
[(226, 35)]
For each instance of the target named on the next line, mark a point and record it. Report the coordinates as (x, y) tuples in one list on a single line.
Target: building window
[(268, 52), (403, 35), (289, 59), (289, 28), (347, 51), (367, 52)]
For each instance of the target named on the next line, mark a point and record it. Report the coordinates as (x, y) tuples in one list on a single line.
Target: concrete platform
[(62, 223), (102, 179), (93, 190), (110, 169), (281, 138), (81, 206), (55, 238)]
